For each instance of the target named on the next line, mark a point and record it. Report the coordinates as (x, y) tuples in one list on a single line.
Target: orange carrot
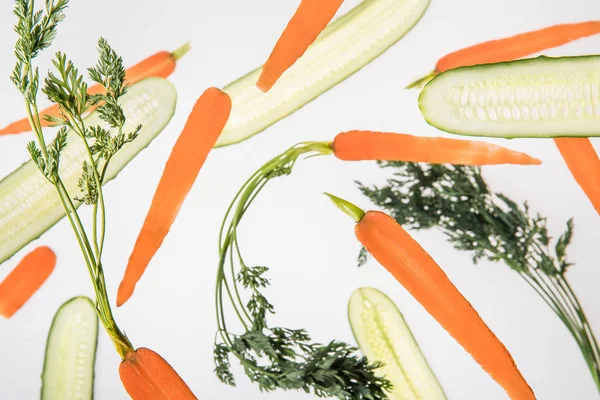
[(513, 47), (369, 145), (25, 280), (583, 162), (423, 278), (147, 376), (161, 64), (201, 131), (311, 17)]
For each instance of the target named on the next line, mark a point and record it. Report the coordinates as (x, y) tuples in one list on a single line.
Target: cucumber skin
[(108, 178), (52, 325), (395, 309), (429, 86), (252, 76)]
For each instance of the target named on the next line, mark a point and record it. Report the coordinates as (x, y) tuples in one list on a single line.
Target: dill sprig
[(66, 87), (457, 200), (277, 357)]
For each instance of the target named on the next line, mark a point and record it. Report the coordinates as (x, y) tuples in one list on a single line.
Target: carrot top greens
[(276, 357), (66, 88)]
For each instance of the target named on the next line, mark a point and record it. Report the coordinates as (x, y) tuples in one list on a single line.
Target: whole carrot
[(418, 272), (369, 145), (161, 64), (201, 131), (311, 17), (147, 376), (512, 47), (25, 280), (583, 162)]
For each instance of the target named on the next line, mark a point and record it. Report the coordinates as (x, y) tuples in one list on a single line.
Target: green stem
[(348, 208), (228, 239), (181, 51)]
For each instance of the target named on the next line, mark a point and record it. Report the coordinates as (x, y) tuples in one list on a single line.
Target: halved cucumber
[(382, 335), (345, 46), (71, 352), (29, 204), (535, 97)]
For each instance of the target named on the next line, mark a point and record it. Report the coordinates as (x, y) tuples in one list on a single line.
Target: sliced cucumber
[(382, 335), (535, 97), (29, 204), (70, 352), (345, 46)]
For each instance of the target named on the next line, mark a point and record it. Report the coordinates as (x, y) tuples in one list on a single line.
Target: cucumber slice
[(536, 97), (382, 335), (70, 352), (29, 204), (345, 46)]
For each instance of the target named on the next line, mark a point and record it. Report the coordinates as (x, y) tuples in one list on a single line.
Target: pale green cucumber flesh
[(382, 335), (68, 372), (29, 204), (540, 97), (345, 46)]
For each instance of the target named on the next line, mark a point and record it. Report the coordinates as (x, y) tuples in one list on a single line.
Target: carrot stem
[(181, 51), (309, 20), (418, 272), (200, 133), (370, 145), (348, 208), (583, 162), (24, 281)]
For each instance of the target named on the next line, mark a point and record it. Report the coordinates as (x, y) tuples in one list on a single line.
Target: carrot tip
[(262, 85)]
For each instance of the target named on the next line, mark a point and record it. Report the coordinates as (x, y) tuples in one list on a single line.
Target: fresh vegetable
[(418, 272), (311, 17), (513, 47), (148, 376), (583, 162), (101, 142), (492, 227), (23, 281), (277, 357), (198, 137), (538, 97), (71, 352), (161, 65), (383, 336), (345, 46), (31, 218), (370, 145), (234, 274), (578, 154), (28, 200)]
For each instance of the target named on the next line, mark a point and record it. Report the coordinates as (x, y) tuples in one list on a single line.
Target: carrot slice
[(311, 17), (200, 133), (423, 278), (161, 64), (368, 145), (22, 283), (513, 47), (583, 162), (147, 376)]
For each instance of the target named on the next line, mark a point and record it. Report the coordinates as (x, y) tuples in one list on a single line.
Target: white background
[(292, 227)]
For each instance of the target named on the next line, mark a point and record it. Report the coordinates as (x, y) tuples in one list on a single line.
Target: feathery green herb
[(457, 200), (275, 357), (66, 87)]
